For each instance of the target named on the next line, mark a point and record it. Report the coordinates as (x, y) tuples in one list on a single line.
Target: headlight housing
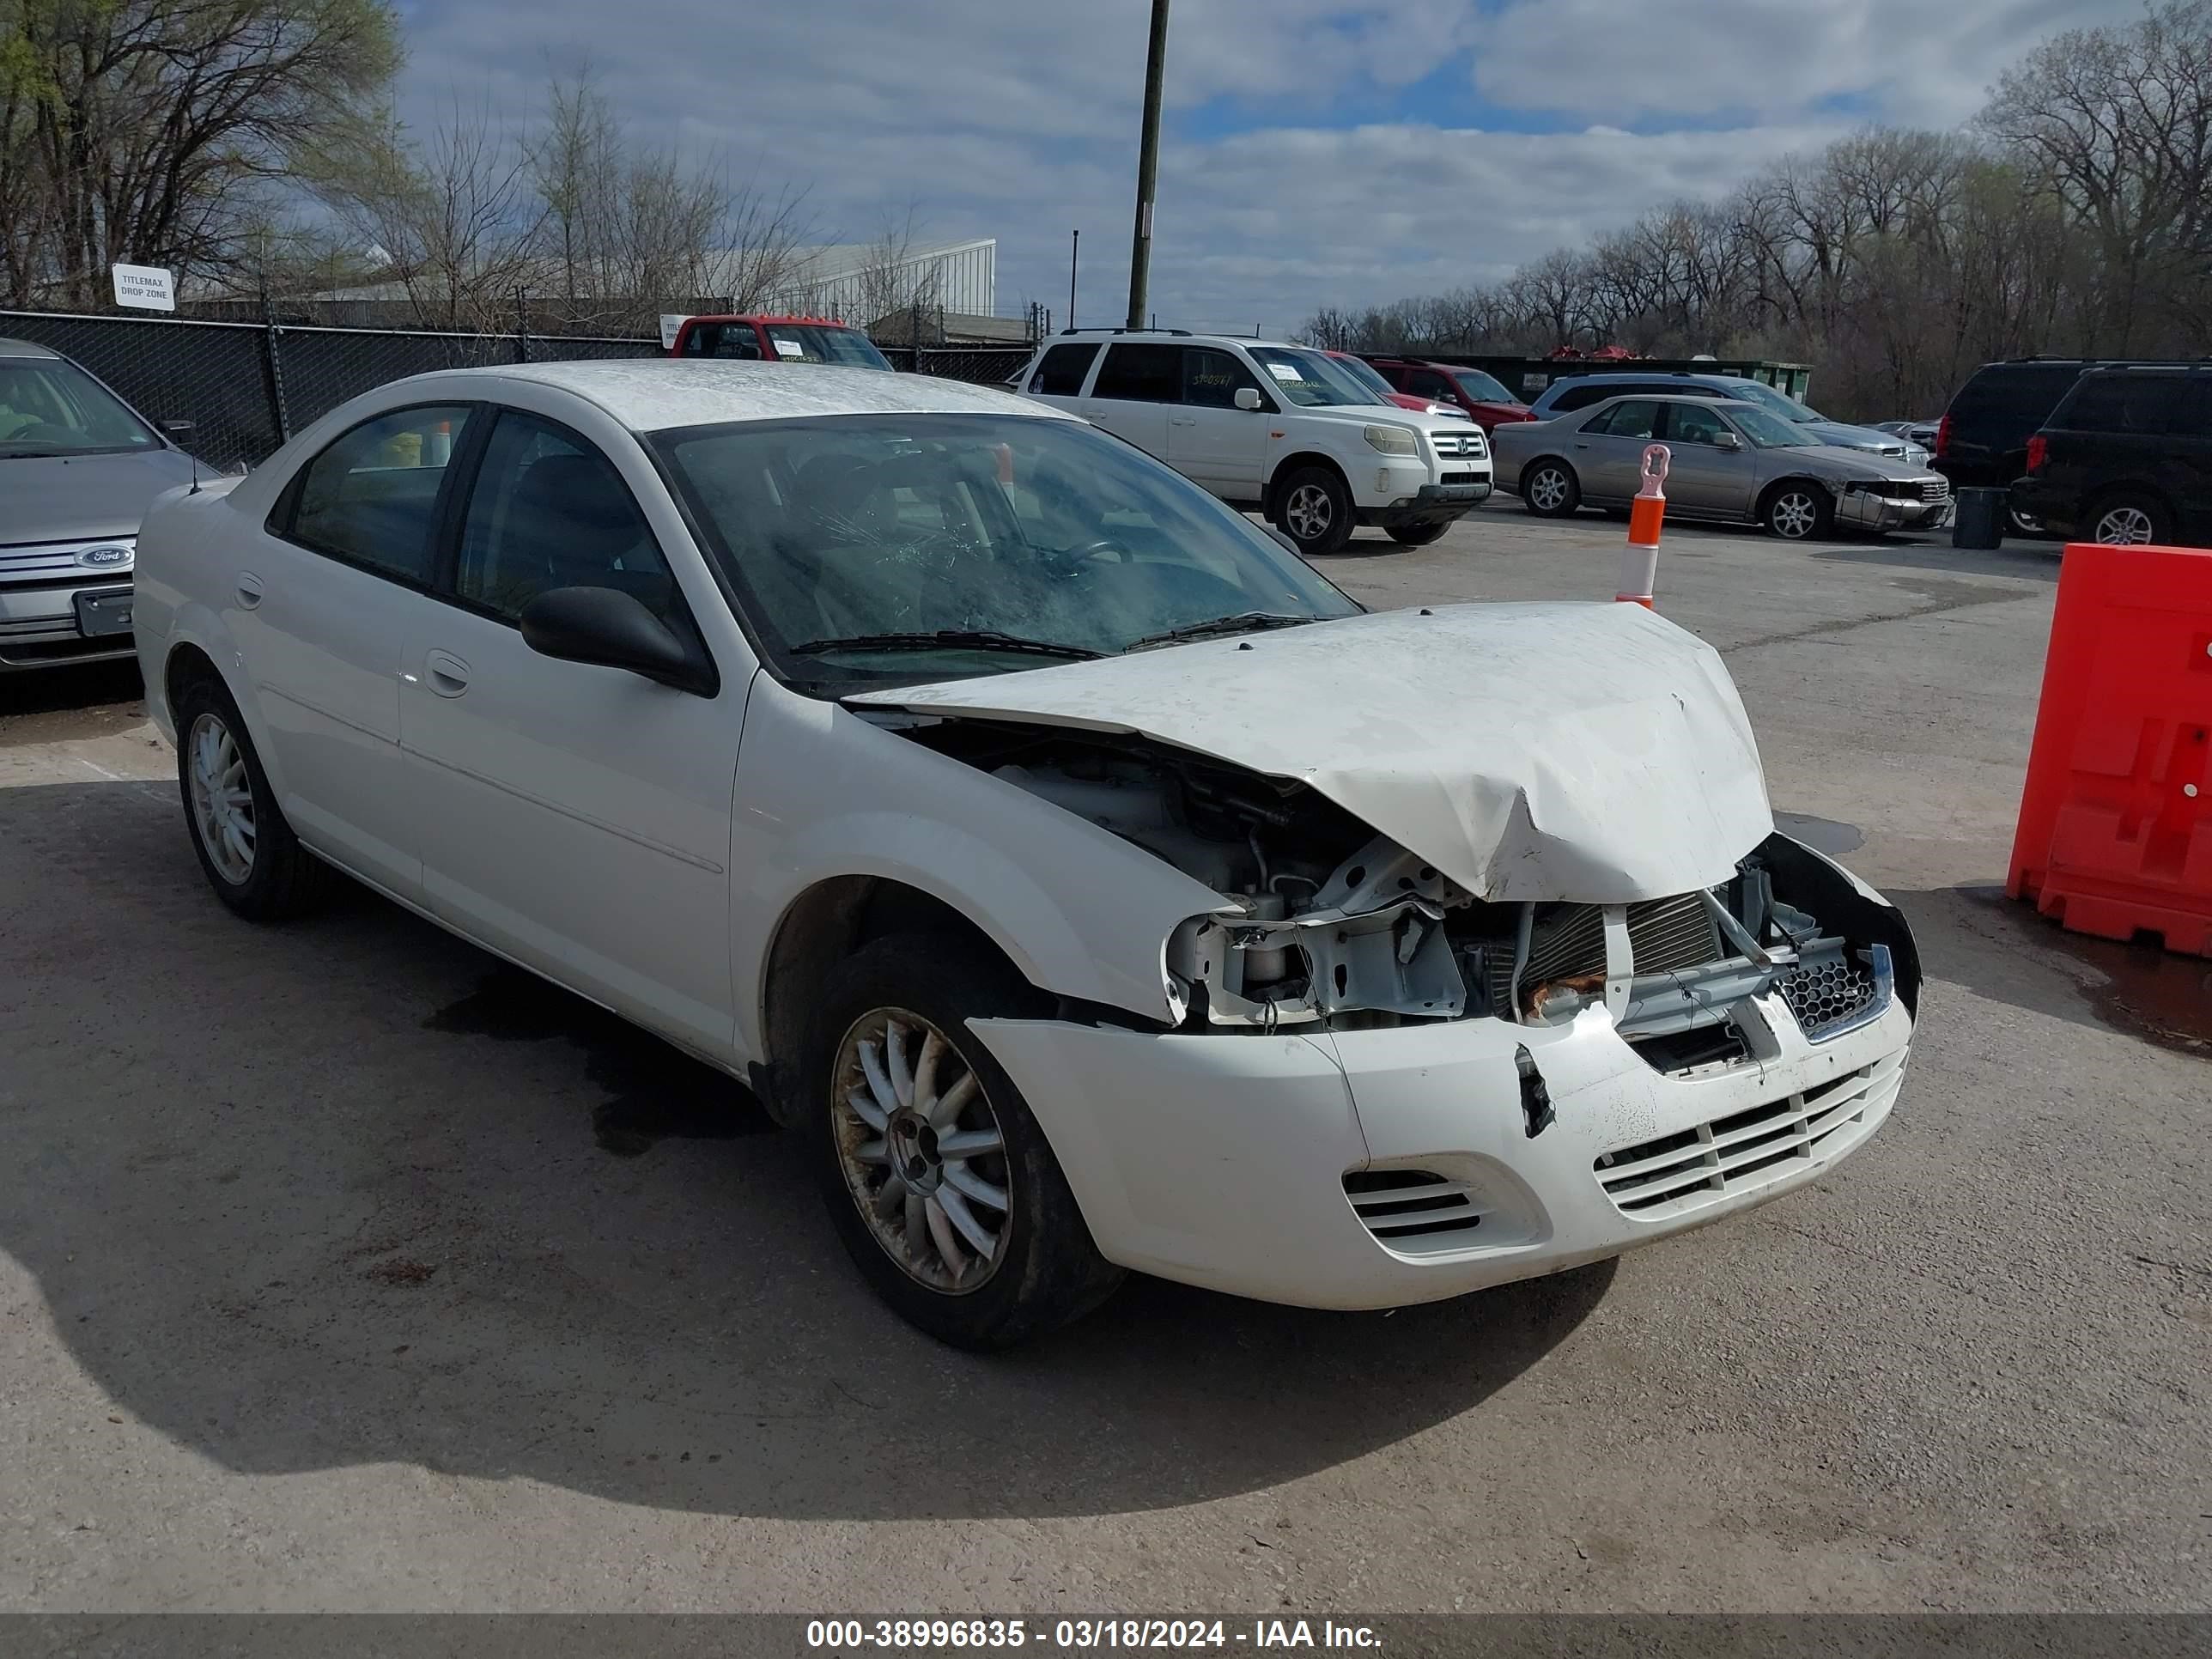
[(1392, 440)]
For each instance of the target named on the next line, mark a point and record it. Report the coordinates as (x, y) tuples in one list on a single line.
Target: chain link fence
[(247, 387)]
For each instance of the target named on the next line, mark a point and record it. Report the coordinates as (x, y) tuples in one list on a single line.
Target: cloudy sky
[(1314, 152)]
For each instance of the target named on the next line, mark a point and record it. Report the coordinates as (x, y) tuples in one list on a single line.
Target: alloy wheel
[(222, 798), (1794, 515), (1547, 490), (2123, 526), (1308, 513), (922, 1152)]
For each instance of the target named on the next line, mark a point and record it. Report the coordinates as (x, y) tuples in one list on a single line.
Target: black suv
[(2126, 457), (1981, 443)]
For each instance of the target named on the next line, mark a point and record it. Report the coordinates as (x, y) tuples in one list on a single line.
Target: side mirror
[(1727, 441), (609, 629), (176, 429), (1247, 397)]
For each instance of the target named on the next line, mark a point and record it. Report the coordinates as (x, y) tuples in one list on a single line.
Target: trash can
[(1978, 519)]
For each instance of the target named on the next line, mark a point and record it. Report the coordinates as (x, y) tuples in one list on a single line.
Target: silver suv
[(78, 469)]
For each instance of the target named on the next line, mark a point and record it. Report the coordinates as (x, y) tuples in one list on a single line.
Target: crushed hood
[(1590, 752)]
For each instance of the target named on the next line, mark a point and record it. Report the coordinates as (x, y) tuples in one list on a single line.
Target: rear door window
[(2137, 404), (1060, 374), (1141, 373), (1636, 418), (371, 497)]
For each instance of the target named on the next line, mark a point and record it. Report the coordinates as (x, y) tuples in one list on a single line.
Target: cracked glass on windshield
[(874, 547)]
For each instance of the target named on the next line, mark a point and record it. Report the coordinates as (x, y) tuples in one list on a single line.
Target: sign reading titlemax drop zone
[(146, 287)]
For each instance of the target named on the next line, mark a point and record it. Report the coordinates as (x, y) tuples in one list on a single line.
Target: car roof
[(650, 394), (25, 349), (1700, 377), (1167, 337), (1669, 398)]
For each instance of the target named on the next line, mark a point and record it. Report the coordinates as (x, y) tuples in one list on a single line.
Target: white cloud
[(1910, 62), (1018, 120)]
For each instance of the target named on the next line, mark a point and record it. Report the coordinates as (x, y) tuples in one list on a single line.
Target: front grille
[(1414, 1212), (28, 563), (1568, 940), (1458, 443), (1826, 994), (1935, 489), (1678, 1173)]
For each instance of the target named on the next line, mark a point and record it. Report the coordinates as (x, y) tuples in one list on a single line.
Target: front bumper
[(1864, 510), (1435, 503), (1221, 1160), (39, 627)]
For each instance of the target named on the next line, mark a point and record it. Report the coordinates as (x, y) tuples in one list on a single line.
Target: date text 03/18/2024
[(1082, 1635)]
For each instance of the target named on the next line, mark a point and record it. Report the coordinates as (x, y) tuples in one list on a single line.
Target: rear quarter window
[(1060, 374)]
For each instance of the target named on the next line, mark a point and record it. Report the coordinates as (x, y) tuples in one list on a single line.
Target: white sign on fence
[(669, 327), (146, 287)]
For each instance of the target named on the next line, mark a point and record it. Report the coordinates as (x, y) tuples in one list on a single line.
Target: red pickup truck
[(758, 339)]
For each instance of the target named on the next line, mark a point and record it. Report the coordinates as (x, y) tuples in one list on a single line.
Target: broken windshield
[(919, 547)]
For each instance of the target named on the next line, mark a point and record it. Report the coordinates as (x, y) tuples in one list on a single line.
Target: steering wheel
[(1068, 561)]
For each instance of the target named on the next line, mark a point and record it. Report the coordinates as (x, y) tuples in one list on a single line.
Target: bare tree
[(452, 219), (2116, 126), (152, 131)]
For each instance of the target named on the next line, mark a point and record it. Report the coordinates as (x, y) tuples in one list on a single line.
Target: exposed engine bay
[(1334, 927)]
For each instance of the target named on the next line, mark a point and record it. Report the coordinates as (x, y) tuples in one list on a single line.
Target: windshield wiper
[(980, 639), (1245, 622)]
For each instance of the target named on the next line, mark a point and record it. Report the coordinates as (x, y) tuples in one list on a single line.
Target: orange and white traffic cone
[(1639, 564)]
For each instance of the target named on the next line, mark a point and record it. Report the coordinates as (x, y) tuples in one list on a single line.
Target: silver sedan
[(1730, 461)]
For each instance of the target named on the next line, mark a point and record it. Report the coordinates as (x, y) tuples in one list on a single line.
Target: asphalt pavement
[(341, 1268)]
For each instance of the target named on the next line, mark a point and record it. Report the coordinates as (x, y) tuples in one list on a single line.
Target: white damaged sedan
[(1095, 885)]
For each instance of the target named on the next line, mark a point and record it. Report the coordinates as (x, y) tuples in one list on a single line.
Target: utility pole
[(1148, 166), (1074, 257)]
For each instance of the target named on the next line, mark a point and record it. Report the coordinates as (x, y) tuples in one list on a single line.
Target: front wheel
[(2129, 521), (938, 1180), (1315, 509), (1551, 490), (1417, 535), (1799, 511)]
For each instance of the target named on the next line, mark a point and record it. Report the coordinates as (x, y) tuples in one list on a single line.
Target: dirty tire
[(1417, 535), (2129, 519), (1550, 489), (1049, 1272), (1798, 510), (1314, 510), (279, 879)]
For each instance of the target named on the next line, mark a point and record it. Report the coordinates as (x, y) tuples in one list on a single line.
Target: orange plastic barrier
[(2115, 833)]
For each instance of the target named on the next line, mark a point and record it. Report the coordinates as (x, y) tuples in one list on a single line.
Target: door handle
[(1183, 420), (249, 589), (447, 674), (1580, 445)]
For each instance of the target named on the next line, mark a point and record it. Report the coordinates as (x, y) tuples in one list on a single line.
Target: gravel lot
[(341, 1269)]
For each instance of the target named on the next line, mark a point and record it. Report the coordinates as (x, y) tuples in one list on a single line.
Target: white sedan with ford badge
[(1095, 886)]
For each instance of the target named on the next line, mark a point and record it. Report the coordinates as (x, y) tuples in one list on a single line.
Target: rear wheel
[(1417, 535), (1550, 489), (251, 857), (1315, 509), (2127, 521), (937, 1177), (1797, 511)]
